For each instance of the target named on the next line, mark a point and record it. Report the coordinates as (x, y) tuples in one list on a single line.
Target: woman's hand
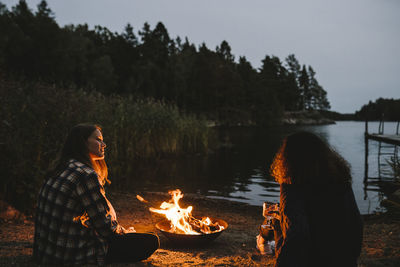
[(271, 210), (274, 214)]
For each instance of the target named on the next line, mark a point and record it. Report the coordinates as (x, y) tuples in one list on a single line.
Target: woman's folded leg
[(132, 247)]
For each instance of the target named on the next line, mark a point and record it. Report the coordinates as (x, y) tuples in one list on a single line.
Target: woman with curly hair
[(319, 221)]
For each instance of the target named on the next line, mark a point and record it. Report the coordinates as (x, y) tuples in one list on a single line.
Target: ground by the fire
[(236, 246)]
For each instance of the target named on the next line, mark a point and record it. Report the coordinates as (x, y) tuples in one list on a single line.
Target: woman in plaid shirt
[(75, 223)]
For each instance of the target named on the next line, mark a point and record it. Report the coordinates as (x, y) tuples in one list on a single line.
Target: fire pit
[(190, 239), (181, 227)]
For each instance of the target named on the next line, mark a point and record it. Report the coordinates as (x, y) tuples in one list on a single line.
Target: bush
[(35, 119)]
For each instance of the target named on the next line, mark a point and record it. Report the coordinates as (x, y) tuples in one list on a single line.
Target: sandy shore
[(234, 247)]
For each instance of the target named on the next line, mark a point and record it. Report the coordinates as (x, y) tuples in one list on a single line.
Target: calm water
[(239, 171)]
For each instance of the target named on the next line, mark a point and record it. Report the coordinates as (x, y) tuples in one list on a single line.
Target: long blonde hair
[(75, 147), (100, 167)]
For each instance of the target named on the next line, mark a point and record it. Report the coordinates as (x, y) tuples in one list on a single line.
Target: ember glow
[(141, 199), (181, 219)]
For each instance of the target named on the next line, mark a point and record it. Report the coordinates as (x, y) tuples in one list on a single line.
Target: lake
[(240, 169)]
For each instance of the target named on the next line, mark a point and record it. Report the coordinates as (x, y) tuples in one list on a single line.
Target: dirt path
[(234, 247)]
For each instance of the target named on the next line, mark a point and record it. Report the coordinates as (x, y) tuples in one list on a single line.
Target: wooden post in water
[(366, 153)]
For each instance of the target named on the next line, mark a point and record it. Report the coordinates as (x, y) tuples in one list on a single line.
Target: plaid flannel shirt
[(60, 237)]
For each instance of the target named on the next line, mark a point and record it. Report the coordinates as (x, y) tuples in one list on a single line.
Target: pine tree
[(224, 51), (318, 96), (43, 10), (129, 36), (304, 86), (293, 66)]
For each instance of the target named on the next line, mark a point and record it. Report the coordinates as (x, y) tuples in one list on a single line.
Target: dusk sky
[(354, 45)]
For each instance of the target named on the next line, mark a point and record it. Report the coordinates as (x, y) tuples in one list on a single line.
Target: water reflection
[(239, 170)]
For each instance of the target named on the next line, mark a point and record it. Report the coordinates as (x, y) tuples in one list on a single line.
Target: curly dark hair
[(304, 158)]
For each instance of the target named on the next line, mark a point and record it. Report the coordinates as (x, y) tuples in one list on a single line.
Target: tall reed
[(35, 119)]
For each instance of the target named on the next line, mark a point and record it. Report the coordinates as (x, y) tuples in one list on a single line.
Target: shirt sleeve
[(294, 246), (96, 205)]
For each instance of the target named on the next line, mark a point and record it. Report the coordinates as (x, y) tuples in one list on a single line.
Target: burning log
[(180, 221), (205, 225)]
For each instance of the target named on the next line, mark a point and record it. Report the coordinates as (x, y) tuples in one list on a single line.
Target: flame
[(182, 221)]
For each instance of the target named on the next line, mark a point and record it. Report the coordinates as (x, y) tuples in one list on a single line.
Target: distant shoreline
[(305, 118)]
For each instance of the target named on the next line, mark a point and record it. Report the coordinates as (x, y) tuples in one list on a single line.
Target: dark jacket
[(321, 226)]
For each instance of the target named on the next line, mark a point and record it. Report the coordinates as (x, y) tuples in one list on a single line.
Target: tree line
[(150, 64), (383, 108)]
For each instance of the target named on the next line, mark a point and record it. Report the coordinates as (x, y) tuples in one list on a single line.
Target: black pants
[(132, 247)]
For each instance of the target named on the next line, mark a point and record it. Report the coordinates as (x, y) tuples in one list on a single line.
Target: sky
[(353, 45)]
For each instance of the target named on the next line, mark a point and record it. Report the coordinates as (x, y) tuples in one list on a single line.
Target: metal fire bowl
[(189, 240)]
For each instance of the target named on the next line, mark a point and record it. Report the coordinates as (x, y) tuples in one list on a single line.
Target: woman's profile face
[(96, 145)]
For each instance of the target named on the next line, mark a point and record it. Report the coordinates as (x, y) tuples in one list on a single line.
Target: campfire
[(180, 226)]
